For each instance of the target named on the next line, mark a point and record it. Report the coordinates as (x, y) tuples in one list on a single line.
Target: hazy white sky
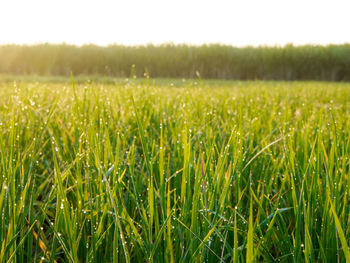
[(237, 22)]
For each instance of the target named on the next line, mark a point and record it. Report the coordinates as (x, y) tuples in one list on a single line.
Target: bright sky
[(237, 22)]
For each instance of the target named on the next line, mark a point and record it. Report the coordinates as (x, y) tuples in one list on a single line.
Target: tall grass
[(238, 172), (330, 63)]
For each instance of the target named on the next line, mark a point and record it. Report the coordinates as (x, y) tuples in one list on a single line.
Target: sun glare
[(252, 22)]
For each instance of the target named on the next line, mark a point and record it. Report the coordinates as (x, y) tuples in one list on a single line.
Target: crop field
[(182, 171)]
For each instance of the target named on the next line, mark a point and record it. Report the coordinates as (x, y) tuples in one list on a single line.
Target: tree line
[(309, 62)]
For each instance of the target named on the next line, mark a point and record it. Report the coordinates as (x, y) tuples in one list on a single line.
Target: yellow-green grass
[(194, 172)]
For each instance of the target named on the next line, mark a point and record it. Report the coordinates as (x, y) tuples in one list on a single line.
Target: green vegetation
[(191, 172), (330, 63)]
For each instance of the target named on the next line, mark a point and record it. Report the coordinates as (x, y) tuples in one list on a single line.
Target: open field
[(192, 172)]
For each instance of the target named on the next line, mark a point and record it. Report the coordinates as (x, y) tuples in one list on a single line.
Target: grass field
[(190, 171)]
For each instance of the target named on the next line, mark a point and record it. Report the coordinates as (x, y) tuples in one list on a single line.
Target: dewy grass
[(133, 172)]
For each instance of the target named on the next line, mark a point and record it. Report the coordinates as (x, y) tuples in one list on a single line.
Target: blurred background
[(282, 40)]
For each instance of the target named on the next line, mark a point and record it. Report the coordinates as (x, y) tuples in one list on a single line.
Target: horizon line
[(171, 43)]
